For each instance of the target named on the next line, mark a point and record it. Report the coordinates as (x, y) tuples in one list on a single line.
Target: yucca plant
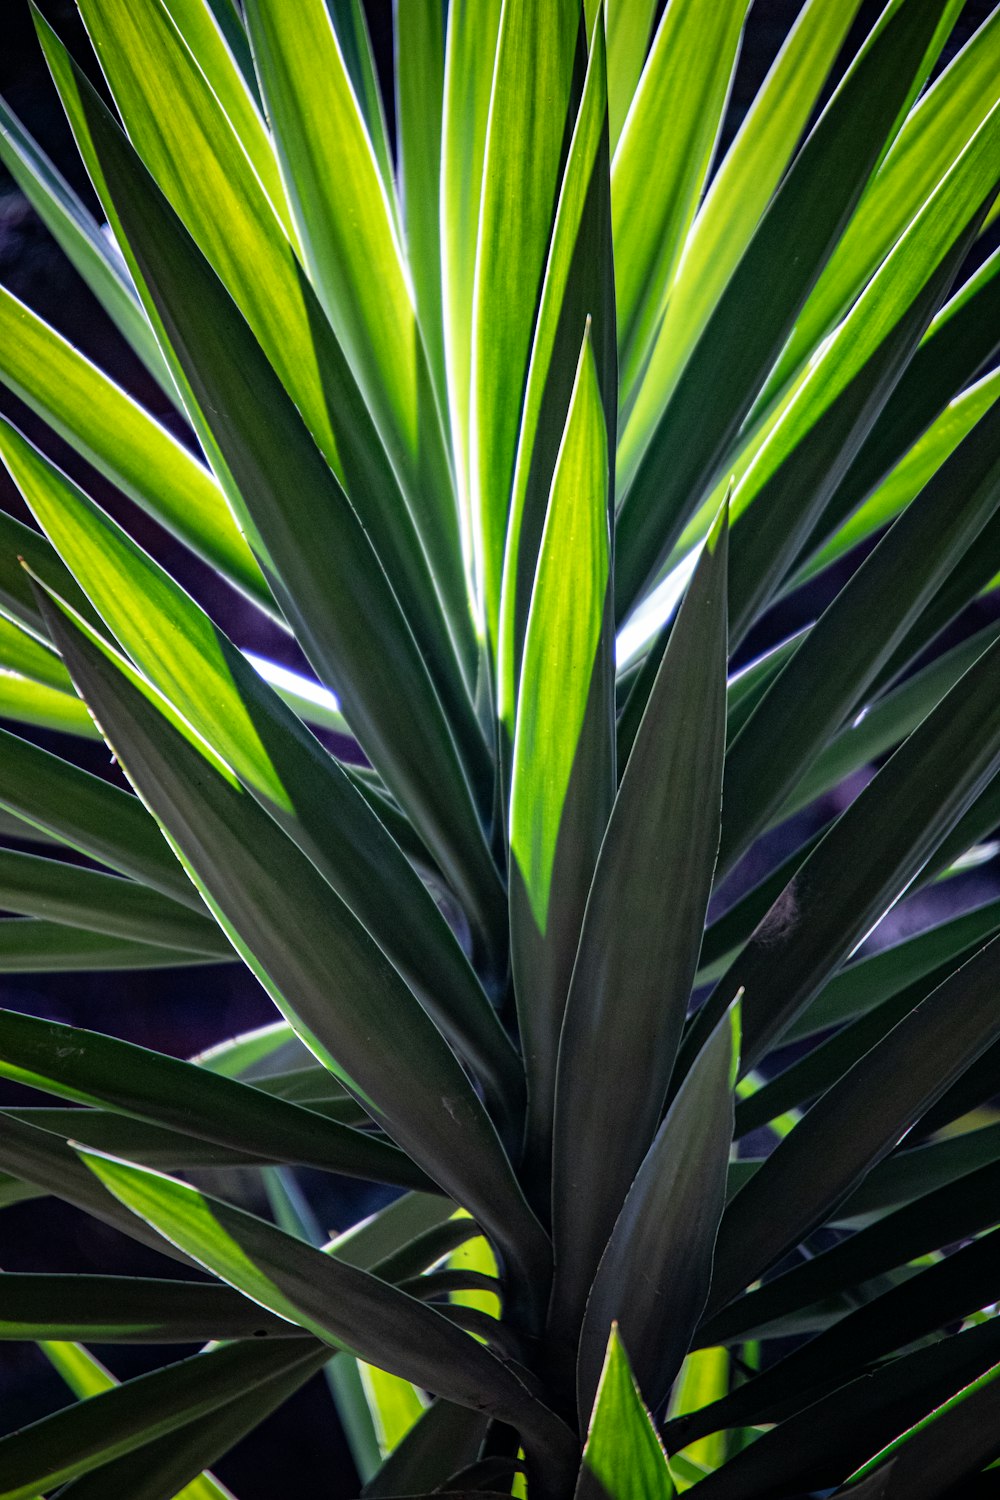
[(520, 427)]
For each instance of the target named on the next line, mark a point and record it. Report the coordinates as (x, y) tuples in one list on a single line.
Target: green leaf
[(354, 634), (622, 1456), (349, 22), (532, 106), (633, 972), (151, 1145), (24, 701), (657, 177), (813, 1449), (211, 45), (314, 958), (926, 416), (128, 1309), (880, 726), (953, 1443), (90, 815), (945, 1216), (578, 285), (856, 1123), (470, 50), (123, 442), (830, 673), (37, 887), (864, 864), (395, 1405), (419, 67), (79, 236), (354, 259), (629, 25), (795, 237), (341, 1304), (155, 1471), (28, 657), (115, 1422), (17, 601), (736, 198), (932, 137), (45, 1161), (100, 1070), (303, 788), (832, 410), (563, 763), (654, 1276), (864, 984), (232, 221), (446, 1438), (908, 1174), (943, 1293), (34, 946)]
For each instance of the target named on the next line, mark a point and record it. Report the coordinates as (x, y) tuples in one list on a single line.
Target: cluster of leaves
[(467, 415)]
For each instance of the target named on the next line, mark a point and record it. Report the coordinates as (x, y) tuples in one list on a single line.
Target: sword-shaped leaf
[(315, 959), (642, 930), (622, 1456), (470, 51), (953, 1443), (578, 285), (89, 814), (354, 633), (655, 1274), (736, 198), (834, 407), (339, 1303), (956, 1211), (629, 25), (856, 1123), (34, 886), (79, 236), (563, 764), (307, 792), (865, 862), (232, 221), (657, 176), (106, 1426), (101, 1070), (129, 1309), (531, 114), (123, 441), (34, 946), (419, 58), (159, 1469), (931, 138), (813, 1449), (844, 651), (354, 258), (774, 276)]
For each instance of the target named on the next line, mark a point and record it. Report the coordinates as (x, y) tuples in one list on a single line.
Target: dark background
[(182, 1012)]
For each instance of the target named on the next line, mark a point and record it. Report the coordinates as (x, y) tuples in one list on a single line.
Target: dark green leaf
[(857, 1123), (98, 1430), (834, 665), (37, 887), (865, 862), (341, 1304), (313, 956), (654, 1276), (101, 1070), (35, 946), (633, 971), (129, 1309)]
